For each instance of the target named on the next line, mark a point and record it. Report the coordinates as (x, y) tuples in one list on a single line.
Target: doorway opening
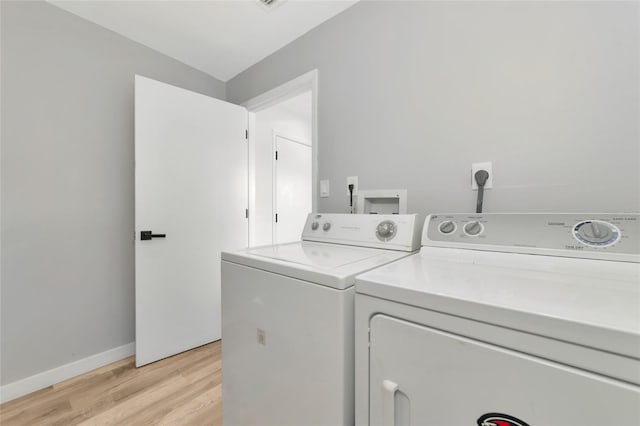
[(282, 161)]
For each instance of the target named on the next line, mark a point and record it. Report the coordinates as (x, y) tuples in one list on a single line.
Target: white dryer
[(504, 320), (287, 319)]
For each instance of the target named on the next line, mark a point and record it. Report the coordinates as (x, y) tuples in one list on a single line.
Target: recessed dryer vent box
[(382, 201)]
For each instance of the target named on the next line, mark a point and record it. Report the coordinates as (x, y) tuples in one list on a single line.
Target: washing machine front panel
[(287, 350)]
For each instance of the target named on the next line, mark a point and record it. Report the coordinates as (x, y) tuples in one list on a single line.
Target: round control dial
[(596, 233), (326, 226), (473, 229), (386, 230), (447, 227), (314, 225)]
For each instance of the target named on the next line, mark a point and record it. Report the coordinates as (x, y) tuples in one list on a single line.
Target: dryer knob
[(314, 226), (473, 228), (326, 226), (596, 233)]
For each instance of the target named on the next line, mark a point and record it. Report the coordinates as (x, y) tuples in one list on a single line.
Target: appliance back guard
[(393, 231), (601, 236)]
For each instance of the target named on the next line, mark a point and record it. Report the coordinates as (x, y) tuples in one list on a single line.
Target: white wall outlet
[(324, 188), (481, 166), (352, 180)]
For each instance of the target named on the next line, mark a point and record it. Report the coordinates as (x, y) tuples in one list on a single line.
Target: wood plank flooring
[(182, 390)]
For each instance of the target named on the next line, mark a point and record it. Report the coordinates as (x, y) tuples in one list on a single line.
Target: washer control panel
[(391, 231), (595, 236)]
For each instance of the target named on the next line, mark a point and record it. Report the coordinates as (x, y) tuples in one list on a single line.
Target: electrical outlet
[(352, 180), (482, 166)]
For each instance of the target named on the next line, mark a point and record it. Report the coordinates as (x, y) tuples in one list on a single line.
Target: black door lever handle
[(147, 235)]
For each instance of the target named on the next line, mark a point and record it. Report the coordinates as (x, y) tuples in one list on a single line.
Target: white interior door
[(191, 186), (292, 188)]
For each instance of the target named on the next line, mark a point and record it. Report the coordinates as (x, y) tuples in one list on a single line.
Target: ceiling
[(219, 37)]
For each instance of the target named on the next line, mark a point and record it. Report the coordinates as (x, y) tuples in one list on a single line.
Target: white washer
[(504, 319), (287, 319)]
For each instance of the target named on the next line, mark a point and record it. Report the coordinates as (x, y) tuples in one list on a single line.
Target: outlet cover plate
[(352, 180), (488, 166)]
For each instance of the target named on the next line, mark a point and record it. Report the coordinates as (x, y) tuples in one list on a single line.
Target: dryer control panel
[(605, 236), (388, 231)]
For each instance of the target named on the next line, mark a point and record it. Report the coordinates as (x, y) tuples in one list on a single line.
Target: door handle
[(389, 390), (147, 235)]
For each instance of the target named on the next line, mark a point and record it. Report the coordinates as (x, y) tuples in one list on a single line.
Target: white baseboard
[(56, 375)]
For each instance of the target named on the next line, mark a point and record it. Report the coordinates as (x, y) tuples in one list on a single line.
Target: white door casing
[(190, 184), (299, 85), (292, 187)]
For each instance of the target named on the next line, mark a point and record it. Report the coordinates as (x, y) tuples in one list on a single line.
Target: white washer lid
[(594, 303), (333, 265)]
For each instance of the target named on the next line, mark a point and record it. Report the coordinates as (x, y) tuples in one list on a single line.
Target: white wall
[(411, 93), (291, 118)]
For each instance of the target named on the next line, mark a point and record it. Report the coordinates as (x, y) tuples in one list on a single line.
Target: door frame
[(274, 177), (304, 83)]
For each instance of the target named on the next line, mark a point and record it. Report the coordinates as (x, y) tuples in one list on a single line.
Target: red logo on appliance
[(497, 419)]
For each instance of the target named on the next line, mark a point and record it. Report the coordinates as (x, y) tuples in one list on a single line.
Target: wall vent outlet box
[(382, 201), (488, 166)]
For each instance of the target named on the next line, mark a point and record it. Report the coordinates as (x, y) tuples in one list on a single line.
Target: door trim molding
[(304, 83), (290, 89)]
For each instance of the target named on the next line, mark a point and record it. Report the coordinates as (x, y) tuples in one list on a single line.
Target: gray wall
[(411, 93), (67, 184)]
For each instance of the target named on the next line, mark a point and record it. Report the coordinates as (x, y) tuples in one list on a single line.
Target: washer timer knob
[(447, 227), (314, 225), (326, 226), (386, 230), (596, 233), (473, 228)]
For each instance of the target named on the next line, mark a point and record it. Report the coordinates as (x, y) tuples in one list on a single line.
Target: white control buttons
[(473, 229), (326, 226), (314, 226), (596, 233), (447, 227), (386, 230)]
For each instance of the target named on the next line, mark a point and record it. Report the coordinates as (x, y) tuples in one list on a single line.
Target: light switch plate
[(482, 166), (324, 188)]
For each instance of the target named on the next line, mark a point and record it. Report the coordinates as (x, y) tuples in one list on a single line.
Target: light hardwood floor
[(182, 390)]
